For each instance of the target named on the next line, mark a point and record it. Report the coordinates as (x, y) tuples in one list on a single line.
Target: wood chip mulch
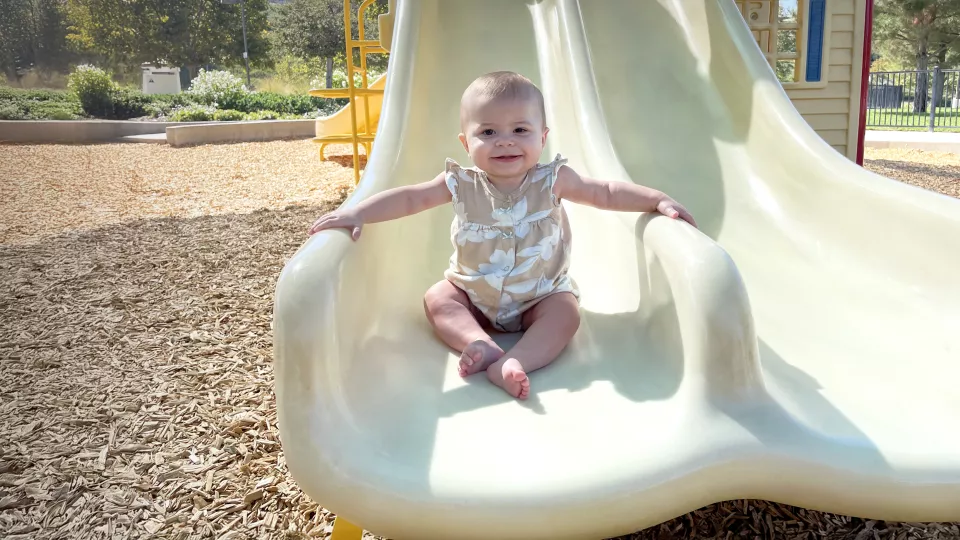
[(45, 189), (136, 352), (936, 171)]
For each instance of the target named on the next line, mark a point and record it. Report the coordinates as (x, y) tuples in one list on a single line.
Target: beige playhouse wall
[(832, 108)]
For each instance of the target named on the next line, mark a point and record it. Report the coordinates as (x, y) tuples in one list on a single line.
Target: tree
[(32, 35), (314, 29), (921, 31), (189, 33), (787, 42), (14, 42)]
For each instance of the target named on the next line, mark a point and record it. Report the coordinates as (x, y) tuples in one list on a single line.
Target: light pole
[(243, 16)]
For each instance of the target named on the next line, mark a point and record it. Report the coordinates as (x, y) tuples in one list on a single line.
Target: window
[(777, 25)]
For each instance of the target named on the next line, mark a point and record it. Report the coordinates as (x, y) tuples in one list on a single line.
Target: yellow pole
[(363, 67), (344, 530), (348, 31)]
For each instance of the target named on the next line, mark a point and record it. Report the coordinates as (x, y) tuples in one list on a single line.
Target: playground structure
[(334, 127), (346, 126), (800, 347)]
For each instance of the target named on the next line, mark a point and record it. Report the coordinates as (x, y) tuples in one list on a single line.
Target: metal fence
[(903, 99)]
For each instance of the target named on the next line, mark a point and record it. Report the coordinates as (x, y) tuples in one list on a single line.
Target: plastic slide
[(802, 347), (339, 122)]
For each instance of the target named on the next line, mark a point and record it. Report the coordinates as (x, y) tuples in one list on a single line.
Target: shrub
[(297, 104), (127, 104), (18, 104), (53, 110), (228, 115), (100, 97), (210, 87), (340, 78), (9, 111), (16, 94), (193, 113), (93, 88), (164, 104), (262, 115)]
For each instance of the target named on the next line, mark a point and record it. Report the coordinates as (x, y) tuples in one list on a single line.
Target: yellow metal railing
[(352, 92)]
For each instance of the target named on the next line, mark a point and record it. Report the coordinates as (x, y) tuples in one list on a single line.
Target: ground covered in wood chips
[(136, 288)]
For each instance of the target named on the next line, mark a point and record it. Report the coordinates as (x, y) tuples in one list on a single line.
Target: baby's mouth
[(507, 159)]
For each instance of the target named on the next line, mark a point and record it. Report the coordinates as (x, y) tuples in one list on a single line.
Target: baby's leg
[(449, 311), (550, 326)]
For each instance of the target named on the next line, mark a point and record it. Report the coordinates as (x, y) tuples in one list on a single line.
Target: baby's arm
[(621, 196), (387, 205)]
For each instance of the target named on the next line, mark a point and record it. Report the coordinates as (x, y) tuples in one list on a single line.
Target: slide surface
[(802, 347), (339, 122)]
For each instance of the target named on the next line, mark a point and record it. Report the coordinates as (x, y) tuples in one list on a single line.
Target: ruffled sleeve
[(452, 173), (554, 169)]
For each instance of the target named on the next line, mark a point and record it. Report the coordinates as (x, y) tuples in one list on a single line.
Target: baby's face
[(504, 137)]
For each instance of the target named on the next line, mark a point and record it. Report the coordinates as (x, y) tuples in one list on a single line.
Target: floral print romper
[(510, 251)]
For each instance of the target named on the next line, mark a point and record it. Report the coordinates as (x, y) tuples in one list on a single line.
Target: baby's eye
[(488, 132), (520, 130)]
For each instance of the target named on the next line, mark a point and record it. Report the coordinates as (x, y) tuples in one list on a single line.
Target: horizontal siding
[(841, 40), (832, 90), (843, 7), (839, 73), (827, 109), (833, 136), (822, 106), (841, 56), (842, 23), (826, 121)]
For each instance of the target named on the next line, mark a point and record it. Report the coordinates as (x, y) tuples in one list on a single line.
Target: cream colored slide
[(802, 347)]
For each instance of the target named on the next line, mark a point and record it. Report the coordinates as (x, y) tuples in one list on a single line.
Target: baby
[(510, 236)]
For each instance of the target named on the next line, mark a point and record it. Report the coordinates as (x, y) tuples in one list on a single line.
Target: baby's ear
[(463, 141), (543, 139)]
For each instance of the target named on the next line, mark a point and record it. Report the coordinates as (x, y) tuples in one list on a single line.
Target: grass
[(904, 119)]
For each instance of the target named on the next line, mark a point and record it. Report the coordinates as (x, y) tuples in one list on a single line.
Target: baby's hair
[(503, 84)]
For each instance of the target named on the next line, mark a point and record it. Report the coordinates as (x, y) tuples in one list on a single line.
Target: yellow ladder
[(352, 92)]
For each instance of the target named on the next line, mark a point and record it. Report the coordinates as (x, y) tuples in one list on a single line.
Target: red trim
[(865, 78)]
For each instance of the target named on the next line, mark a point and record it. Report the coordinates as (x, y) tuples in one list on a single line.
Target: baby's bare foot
[(478, 356), (511, 377)]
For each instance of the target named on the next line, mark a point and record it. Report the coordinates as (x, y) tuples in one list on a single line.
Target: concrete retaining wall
[(263, 130), (916, 140), (76, 131)]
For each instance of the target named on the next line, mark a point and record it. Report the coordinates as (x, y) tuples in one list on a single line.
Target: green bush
[(126, 104), (282, 103), (94, 88), (228, 115), (165, 104), (53, 110), (15, 94), (193, 113), (18, 104), (262, 115), (9, 111), (100, 97)]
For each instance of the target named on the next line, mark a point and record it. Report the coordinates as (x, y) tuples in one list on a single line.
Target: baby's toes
[(471, 360), (519, 382), (524, 387)]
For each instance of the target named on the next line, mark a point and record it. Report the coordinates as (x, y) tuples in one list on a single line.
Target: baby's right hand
[(345, 219)]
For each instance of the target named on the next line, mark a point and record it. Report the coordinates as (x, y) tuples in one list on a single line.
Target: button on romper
[(510, 251)]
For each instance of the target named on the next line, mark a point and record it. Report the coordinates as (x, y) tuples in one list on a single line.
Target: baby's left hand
[(673, 209)]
